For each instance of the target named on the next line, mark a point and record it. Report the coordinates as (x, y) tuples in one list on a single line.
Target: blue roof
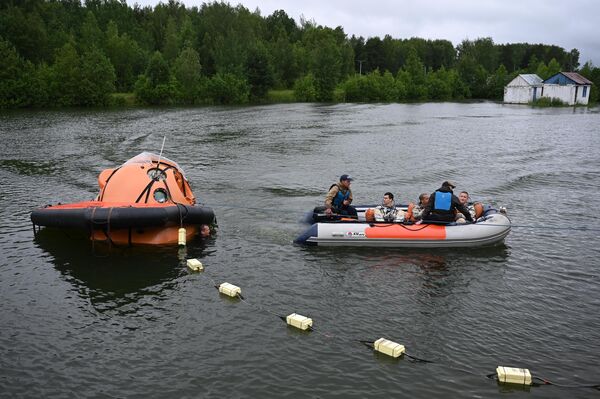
[(567, 78)]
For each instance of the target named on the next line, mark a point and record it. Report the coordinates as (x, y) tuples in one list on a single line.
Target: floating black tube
[(122, 217)]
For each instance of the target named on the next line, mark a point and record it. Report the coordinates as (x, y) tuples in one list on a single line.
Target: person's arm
[(462, 209), (427, 209), (329, 198)]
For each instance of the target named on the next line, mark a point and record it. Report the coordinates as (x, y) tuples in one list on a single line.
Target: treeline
[(68, 53)]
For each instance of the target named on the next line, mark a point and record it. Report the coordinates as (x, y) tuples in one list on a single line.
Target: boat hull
[(489, 231)]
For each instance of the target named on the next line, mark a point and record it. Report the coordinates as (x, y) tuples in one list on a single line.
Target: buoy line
[(503, 375)]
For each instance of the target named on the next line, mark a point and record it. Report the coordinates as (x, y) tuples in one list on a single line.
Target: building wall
[(580, 98), (566, 93), (519, 94)]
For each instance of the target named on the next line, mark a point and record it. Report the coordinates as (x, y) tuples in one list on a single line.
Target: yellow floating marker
[(388, 347), (195, 265), (230, 290), (299, 321), (512, 375), (182, 237)]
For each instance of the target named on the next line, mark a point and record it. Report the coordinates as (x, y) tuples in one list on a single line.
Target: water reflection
[(112, 277), (428, 273)]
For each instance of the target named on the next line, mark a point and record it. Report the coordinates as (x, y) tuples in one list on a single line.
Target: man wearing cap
[(339, 197), (442, 205)]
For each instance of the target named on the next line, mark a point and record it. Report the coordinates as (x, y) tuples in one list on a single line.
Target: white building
[(569, 87), (523, 89)]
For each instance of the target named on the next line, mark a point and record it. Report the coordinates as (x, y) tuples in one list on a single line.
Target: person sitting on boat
[(339, 198), (387, 212), (442, 204), (475, 209), (415, 212)]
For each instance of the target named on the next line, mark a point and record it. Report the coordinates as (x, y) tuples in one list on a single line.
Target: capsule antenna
[(161, 150)]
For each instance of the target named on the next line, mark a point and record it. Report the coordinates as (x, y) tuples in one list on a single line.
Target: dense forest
[(69, 53)]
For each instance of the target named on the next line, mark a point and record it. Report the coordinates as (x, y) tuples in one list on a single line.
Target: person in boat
[(442, 205), (475, 209), (386, 212), (339, 198), (415, 212)]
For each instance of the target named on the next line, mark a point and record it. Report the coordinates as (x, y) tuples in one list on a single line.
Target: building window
[(584, 92)]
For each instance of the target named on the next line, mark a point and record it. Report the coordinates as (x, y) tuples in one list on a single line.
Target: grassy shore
[(123, 99), (281, 96), (287, 96)]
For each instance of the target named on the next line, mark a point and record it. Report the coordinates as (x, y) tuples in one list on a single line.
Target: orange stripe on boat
[(413, 232)]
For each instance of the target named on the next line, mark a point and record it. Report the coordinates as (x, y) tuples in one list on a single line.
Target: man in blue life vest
[(442, 205), (339, 197)]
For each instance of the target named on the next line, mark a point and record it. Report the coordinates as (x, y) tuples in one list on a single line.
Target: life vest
[(409, 212), (386, 214), (478, 206), (339, 198), (443, 201)]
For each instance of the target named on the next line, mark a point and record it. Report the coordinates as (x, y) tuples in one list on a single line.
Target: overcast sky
[(568, 24)]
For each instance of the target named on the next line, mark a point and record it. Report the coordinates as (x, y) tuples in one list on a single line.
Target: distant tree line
[(68, 53)]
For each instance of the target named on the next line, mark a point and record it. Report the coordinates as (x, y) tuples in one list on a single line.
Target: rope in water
[(535, 380)]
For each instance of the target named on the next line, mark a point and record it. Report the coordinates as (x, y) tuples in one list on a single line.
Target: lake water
[(83, 321)]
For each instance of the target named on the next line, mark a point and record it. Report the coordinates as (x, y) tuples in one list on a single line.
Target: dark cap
[(449, 184), (346, 177)]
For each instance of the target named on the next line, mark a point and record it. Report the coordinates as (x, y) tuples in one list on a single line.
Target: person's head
[(345, 180), (449, 185), (423, 199), (463, 197), (204, 231), (388, 199)]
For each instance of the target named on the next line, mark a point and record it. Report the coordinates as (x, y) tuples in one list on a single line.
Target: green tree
[(65, 86), (593, 74), (91, 34), (86, 80), (186, 70), (227, 88), (155, 86), (259, 72), (542, 70), (482, 51), (497, 82), (553, 67), (12, 93), (415, 77), (325, 60), (533, 64), (573, 59), (171, 44), (97, 78), (126, 56), (285, 67), (26, 30), (439, 85), (374, 55), (474, 76), (304, 88), (279, 22)]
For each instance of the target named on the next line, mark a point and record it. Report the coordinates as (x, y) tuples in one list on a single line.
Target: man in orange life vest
[(442, 204), (339, 197)]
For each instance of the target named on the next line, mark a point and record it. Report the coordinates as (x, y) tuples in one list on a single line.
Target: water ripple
[(129, 322)]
